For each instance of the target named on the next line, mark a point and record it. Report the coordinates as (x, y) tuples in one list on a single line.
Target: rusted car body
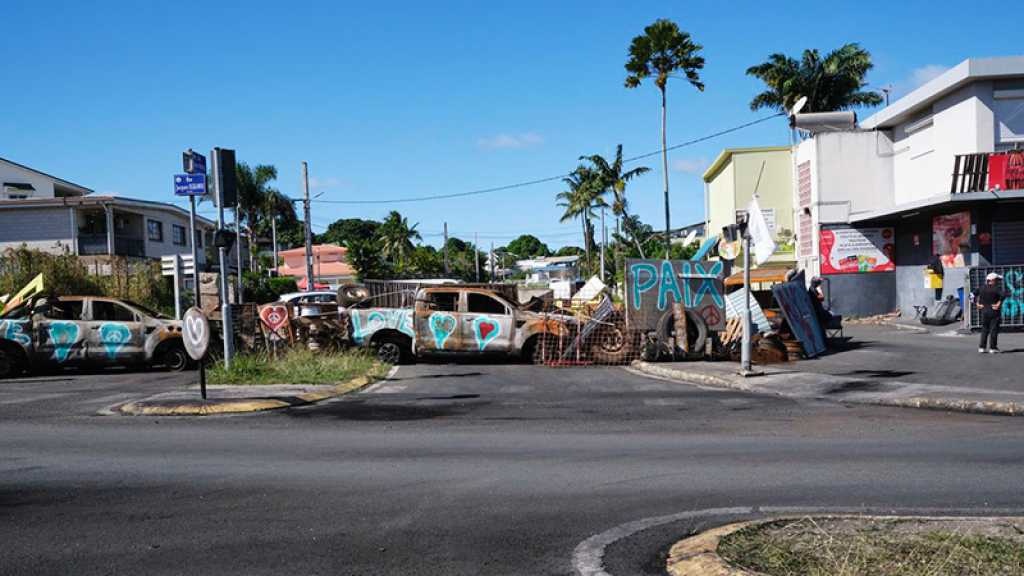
[(88, 331), (452, 320)]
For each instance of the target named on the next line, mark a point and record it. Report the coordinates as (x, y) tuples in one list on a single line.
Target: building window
[(178, 235), (155, 228)]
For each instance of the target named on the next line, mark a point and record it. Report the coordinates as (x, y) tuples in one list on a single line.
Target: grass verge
[(878, 547), (297, 366)]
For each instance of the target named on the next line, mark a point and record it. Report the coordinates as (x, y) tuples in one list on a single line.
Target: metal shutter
[(1007, 243)]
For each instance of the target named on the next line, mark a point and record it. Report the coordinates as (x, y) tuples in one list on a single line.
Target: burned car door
[(116, 334), (437, 321), (488, 325), (59, 333)]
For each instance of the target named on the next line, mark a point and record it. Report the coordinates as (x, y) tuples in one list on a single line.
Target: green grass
[(807, 547), (297, 366)]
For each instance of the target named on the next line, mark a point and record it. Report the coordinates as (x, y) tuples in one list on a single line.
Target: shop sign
[(847, 250), (1006, 171)]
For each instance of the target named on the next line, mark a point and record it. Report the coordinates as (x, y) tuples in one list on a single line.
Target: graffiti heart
[(195, 330), (486, 330), (64, 335), (14, 330), (442, 325), (114, 337)]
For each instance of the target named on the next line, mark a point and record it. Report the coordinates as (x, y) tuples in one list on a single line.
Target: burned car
[(50, 333)]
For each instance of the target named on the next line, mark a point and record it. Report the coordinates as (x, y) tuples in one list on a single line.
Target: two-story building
[(51, 214), (933, 174), (729, 185)]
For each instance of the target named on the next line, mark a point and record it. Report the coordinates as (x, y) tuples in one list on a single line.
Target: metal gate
[(1013, 286)]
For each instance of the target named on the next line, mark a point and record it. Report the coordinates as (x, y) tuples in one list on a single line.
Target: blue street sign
[(193, 162), (189, 184)]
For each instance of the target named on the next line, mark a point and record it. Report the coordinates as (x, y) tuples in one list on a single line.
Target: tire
[(696, 334), (12, 362), (612, 343), (174, 358), (540, 349), (392, 349)]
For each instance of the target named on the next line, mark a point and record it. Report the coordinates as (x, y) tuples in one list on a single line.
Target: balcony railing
[(970, 173), (96, 244)]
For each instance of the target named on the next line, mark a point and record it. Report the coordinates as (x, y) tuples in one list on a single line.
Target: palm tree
[(834, 82), (396, 237), (614, 180), (660, 52), (585, 193), (262, 205)]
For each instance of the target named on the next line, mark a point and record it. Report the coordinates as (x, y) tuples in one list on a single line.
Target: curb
[(697, 555), (235, 406), (740, 383)]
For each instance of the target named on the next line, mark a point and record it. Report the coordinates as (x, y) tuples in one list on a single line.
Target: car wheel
[(392, 350), (175, 359), (10, 363)]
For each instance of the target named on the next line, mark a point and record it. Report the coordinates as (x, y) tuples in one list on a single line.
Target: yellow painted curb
[(698, 555), (193, 408)]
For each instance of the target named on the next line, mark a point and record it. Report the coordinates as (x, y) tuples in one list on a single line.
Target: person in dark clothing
[(989, 301)]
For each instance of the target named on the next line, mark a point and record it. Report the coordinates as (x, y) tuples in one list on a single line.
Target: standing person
[(989, 301)]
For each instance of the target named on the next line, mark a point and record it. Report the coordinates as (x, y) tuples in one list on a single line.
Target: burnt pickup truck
[(459, 321), (51, 333)]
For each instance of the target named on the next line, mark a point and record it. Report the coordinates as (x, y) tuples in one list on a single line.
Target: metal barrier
[(1013, 286)]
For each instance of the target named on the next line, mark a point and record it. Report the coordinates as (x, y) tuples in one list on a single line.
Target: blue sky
[(400, 99)]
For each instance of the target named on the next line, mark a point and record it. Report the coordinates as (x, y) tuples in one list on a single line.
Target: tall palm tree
[(584, 195), (396, 237), (834, 82), (660, 53), (614, 180), (262, 205)]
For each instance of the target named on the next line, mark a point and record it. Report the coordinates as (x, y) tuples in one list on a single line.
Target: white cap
[(992, 276)]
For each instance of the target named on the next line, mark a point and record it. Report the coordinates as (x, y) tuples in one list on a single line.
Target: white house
[(47, 213), (874, 205)]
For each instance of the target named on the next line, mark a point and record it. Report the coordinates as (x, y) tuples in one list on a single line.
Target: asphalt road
[(473, 469)]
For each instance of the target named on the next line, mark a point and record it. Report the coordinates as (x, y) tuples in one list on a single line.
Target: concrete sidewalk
[(883, 365)]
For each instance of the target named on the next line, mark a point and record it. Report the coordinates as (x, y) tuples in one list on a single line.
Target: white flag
[(760, 235)]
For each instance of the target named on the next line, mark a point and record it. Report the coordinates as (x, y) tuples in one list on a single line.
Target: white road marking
[(588, 557), (384, 387)]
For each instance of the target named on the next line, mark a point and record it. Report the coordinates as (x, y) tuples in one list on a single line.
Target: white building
[(914, 181), (50, 214)]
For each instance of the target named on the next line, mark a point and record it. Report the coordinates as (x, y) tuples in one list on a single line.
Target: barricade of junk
[(665, 310)]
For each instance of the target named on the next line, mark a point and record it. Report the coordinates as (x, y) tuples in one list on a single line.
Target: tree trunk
[(586, 240), (664, 167)]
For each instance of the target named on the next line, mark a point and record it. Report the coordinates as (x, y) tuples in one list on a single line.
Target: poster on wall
[(951, 236), (849, 250)]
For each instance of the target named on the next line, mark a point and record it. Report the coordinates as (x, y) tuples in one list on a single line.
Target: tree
[(660, 52), (579, 201), (264, 208), (365, 257), (614, 180), (396, 238), (527, 246), (834, 82), (341, 232), (569, 251)]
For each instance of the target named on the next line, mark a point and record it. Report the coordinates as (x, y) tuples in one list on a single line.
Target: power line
[(550, 178)]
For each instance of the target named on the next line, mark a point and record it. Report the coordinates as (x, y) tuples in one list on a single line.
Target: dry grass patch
[(878, 547)]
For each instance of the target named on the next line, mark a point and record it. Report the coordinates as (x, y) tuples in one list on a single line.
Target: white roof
[(970, 70)]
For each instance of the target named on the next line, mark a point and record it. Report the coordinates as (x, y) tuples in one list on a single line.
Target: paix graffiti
[(652, 286)]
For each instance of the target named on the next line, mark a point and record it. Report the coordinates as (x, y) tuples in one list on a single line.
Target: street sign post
[(190, 184), (193, 162)]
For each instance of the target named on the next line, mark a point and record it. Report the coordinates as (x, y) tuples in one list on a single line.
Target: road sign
[(193, 162), (190, 184), (168, 264), (274, 316), (196, 333)]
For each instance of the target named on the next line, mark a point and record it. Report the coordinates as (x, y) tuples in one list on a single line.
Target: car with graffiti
[(460, 321), (51, 333)]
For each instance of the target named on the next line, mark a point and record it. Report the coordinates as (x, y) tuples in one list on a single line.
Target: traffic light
[(226, 183)]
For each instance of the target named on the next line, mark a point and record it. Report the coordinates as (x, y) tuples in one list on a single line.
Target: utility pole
[(309, 228), (225, 305), (238, 251), (446, 249), (476, 255), (492, 260), (604, 241), (273, 238)]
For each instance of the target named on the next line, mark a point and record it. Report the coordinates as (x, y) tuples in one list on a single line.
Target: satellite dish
[(798, 106)]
